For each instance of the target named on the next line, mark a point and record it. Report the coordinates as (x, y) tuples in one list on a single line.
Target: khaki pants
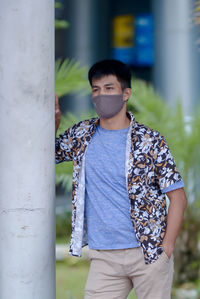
[(113, 273)]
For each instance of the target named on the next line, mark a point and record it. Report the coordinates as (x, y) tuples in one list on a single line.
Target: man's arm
[(178, 203), (64, 143), (57, 113)]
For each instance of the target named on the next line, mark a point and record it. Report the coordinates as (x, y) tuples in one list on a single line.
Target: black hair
[(111, 67)]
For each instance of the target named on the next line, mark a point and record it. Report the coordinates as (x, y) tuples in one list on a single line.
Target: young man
[(122, 171)]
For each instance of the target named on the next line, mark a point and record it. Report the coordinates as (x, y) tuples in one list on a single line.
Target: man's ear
[(126, 94)]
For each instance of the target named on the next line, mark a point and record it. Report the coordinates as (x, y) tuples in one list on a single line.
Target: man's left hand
[(168, 249)]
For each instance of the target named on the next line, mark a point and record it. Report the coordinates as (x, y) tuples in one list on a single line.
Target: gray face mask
[(108, 106)]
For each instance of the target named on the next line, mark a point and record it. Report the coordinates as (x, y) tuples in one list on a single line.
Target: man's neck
[(117, 122)]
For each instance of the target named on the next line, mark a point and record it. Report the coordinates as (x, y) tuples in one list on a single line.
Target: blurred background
[(159, 40)]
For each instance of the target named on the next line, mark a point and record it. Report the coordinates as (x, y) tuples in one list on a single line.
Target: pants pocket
[(92, 253)]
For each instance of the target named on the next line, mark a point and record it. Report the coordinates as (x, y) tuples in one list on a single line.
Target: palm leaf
[(70, 77)]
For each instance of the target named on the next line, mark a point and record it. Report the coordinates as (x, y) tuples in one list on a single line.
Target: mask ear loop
[(126, 101)]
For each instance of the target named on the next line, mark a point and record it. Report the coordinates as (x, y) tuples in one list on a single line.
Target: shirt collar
[(128, 113)]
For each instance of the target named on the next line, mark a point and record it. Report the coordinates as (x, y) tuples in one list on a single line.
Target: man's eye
[(109, 88)]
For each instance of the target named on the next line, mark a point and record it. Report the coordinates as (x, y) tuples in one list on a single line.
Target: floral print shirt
[(149, 167)]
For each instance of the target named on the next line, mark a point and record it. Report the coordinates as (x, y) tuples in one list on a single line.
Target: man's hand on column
[(57, 113)]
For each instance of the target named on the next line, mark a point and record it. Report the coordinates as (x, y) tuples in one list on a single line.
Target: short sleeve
[(165, 167), (64, 147), (173, 187)]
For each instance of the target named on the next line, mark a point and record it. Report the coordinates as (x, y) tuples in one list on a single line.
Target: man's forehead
[(105, 80)]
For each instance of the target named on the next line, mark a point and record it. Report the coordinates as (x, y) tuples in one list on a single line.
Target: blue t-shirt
[(107, 207)]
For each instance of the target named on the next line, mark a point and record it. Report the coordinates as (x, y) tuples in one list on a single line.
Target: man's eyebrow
[(108, 84)]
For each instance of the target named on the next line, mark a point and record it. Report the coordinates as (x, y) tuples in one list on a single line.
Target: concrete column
[(177, 60), (27, 259)]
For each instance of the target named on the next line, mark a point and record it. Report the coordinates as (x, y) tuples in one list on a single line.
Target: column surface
[(177, 59), (27, 234)]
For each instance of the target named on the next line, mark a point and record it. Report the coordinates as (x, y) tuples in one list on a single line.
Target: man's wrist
[(168, 248)]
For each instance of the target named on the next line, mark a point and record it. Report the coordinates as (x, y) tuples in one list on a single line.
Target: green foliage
[(58, 5), (64, 175), (187, 254), (61, 24), (70, 77), (63, 225)]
